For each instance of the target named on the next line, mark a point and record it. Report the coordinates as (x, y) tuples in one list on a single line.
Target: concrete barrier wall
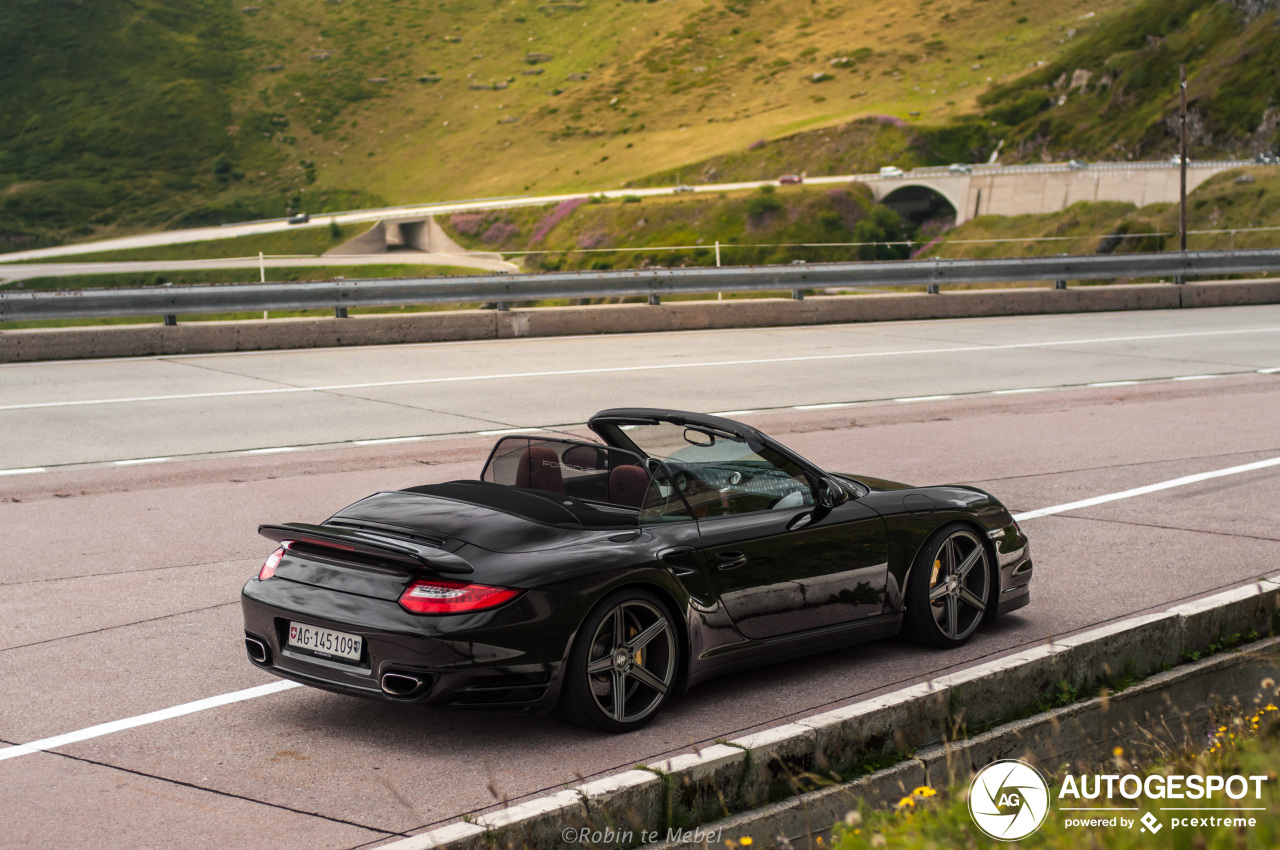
[(929, 719), (453, 325)]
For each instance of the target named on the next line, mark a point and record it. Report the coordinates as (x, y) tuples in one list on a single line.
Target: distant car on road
[(1077, 165), (790, 178), (891, 171), (959, 168), (607, 576), (1176, 159), (1266, 159), (299, 218), (681, 188)]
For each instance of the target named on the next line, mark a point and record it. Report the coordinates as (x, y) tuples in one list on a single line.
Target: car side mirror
[(830, 493)]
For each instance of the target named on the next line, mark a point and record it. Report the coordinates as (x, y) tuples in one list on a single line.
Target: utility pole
[(1182, 165)]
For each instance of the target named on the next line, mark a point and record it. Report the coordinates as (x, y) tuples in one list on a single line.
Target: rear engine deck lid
[(490, 516)]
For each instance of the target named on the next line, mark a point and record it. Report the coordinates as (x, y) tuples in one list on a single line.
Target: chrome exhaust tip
[(401, 685), (258, 652)]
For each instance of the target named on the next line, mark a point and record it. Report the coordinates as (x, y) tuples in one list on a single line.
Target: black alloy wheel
[(950, 588), (623, 665)]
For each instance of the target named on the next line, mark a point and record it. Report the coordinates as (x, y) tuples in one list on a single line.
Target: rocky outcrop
[(1253, 8)]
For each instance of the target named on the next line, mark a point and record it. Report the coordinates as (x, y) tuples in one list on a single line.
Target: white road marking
[(144, 719), (141, 460), (914, 398), (1150, 488), (622, 369), (23, 471), (1195, 377), (733, 413), (832, 406), (502, 431), (272, 450), (387, 440), (1268, 371), (1016, 392), (16, 750), (1114, 384)]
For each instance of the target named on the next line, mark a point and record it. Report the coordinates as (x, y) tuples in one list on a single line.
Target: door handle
[(731, 560)]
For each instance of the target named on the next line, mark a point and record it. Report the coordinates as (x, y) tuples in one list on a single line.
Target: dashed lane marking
[(652, 367), (801, 407)]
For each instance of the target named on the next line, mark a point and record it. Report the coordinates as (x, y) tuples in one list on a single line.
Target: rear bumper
[(510, 658)]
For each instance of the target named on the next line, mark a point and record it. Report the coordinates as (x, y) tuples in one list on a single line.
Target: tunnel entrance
[(918, 204)]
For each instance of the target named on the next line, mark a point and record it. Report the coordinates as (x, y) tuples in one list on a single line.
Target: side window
[(662, 502), (730, 476)]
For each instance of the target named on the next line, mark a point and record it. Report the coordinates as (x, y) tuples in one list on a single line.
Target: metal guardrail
[(340, 295)]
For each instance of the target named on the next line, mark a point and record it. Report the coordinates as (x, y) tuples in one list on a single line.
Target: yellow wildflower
[(923, 791), (745, 841)]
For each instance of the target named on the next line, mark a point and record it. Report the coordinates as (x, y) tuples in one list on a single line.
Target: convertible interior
[(707, 475)]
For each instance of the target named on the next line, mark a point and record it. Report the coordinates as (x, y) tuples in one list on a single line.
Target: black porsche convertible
[(607, 577)]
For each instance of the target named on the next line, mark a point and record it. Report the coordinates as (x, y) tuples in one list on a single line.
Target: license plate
[(325, 641)]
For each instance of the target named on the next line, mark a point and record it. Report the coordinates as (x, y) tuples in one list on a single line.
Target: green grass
[(1247, 743)]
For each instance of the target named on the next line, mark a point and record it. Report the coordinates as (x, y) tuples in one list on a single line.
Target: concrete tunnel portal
[(919, 203)]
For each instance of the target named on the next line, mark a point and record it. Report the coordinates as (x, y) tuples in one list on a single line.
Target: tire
[(951, 588), (628, 647)]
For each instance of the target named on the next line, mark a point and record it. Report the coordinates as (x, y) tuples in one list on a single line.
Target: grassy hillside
[(125, 116), (120, 117), (1113, 93), (766, 226)]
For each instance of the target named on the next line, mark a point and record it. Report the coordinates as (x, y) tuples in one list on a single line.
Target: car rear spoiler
[(367, 543)]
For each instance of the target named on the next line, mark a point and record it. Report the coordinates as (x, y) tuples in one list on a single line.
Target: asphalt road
[(119, 586)]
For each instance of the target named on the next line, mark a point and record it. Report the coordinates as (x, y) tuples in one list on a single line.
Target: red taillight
[(440, 596), (273, 561)]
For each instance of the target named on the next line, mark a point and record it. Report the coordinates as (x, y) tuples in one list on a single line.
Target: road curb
[(458, 325), (744, 774)]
